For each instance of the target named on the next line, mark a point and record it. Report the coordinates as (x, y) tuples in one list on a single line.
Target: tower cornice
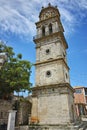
[(63, 85), (38, 39), (53, 60), (49, 18)]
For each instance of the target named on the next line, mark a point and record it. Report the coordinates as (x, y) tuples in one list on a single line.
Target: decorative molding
[(60, 59), (55, 89)]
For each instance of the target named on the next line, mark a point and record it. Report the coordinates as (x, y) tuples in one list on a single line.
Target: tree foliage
[(14, 73)]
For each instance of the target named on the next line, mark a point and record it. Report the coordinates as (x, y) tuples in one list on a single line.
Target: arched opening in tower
[(43, 31), (50, 28)]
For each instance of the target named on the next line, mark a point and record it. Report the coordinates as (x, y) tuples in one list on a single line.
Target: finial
[(56, 6), (49, 4), (42, 7)]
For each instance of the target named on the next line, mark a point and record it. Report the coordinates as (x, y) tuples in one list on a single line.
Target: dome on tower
[(49, 11)]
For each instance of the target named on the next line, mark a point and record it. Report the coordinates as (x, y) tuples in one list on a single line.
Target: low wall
[(24, 127), (5, 106)]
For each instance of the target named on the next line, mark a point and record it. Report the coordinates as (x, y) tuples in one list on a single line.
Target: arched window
[(50, 28), (43, 31)]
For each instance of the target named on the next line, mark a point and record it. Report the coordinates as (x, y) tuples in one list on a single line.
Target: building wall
[(55, 51), (54, 78), (86, 99), (53, 105), (79, 95), (58, 73), (52, 111), (23, 109), (80, 100), (24, 112), (5, 106)]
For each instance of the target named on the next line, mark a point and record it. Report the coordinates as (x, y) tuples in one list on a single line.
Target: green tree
[(14, 73)]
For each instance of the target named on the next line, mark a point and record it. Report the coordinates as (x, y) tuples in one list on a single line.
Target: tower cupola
[(49, 24)]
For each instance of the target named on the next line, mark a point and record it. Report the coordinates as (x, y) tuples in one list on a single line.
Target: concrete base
[(24, 127), (72, 126), (50, 127), (53, 104)]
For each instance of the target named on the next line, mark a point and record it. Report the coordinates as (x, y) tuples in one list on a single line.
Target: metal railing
[(45, 34)]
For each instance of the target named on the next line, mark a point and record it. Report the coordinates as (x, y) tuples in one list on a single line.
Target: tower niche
[(52, 96)]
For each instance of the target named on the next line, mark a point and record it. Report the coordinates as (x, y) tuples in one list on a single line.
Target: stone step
[(76, 126), (82, 126)]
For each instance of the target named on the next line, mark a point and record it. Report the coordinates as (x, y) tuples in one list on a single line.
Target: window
[(43, 31), (86, 99), (66, 76), (53, 89), (64, 55), (78, 91), (48, 73), (47, 51), (86, 92), (50, 28)]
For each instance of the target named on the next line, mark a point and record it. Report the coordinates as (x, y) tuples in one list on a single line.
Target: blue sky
[(17, 28)]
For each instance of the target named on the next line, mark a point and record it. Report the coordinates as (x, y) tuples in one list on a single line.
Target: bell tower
[(51, 61), (52, 96)]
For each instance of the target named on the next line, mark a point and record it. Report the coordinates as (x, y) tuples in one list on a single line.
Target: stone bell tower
[(52, 95)]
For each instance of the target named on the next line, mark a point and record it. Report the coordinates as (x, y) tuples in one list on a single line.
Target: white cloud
[(82, 4), (18, 16)]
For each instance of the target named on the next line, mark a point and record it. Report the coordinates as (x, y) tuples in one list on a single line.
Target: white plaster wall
[(53, 109), (56, 74), (38, 55), (66, 72), (55, 51), (72, 109)]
